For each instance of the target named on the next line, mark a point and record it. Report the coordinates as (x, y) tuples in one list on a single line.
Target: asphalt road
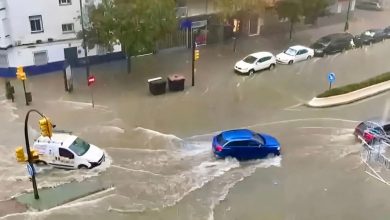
[(161, 176)]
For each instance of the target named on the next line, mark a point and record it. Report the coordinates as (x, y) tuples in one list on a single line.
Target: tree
[(134, 24), (312, 9), (291, 9), (238, 8)]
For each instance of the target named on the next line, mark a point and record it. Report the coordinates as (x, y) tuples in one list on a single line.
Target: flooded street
[(159, 161)]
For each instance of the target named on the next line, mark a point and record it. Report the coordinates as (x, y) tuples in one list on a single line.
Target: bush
[(356, 86)]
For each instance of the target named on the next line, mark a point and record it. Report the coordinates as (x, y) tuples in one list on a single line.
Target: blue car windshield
[(258, 138), (79, 147)]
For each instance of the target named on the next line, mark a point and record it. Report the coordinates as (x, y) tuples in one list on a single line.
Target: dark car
[(369, 5), (244, 144), (372, 131), (332, 43), (371, 36), (387, 32)]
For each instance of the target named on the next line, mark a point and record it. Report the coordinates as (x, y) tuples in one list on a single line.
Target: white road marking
[(134, 170)]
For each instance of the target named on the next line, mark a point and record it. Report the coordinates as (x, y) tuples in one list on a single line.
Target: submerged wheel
[(251, 72), (272, 66), (82, 166), (290, 62)]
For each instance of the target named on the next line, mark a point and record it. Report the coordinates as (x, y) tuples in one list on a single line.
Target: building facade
[(39, 34)]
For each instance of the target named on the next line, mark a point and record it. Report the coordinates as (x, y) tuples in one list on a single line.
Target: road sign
[(30, 170), (186, 24), (91, 80), (331, 77)]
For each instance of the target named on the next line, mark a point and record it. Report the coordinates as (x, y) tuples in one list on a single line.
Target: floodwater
[(160, 164)]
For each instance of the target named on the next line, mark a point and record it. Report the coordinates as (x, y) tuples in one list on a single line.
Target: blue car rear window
[(220, 139)]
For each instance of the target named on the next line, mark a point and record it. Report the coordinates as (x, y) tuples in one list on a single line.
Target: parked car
[(244, 144), (255, 62), (67, 151), (332, 43), (369, 5), (387, 32), (371, 131), (295, 54), (371, 36)]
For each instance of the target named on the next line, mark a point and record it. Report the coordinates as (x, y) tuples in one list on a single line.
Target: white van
[(68, 151)]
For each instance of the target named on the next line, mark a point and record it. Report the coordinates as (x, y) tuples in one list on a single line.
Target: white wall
[(53, 16)]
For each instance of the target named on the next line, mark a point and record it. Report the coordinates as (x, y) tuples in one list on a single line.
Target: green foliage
[(231, 8), (312, 9), (135, 24), (356, 86), (291, 9)]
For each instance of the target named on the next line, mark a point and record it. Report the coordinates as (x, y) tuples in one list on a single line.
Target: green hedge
[(356, 86)]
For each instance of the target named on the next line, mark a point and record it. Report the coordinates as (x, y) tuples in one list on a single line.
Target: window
[(67, 28), (65, 2), (253, 144), (264, 59), (302, 52), (36, 24), (79, 146), (40, 58), (238, 144), (65, 153)]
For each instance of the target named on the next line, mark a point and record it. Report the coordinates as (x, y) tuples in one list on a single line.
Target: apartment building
[(39, 34)]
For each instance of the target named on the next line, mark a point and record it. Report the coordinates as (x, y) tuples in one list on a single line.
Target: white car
[(295, 54), (68, 152), (255, 62)]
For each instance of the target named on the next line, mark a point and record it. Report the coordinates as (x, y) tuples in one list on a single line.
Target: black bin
[(176, 82), (157, 86)]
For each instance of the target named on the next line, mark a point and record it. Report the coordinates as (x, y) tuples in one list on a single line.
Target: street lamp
[(84, 39), (346, 27)]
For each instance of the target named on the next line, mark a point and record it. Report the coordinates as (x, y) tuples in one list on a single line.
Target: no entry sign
[(91, 80)]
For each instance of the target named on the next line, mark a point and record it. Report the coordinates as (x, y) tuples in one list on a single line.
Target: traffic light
[(196, 56), (19, 152), (20, 74), (236, 25), (46, 127)]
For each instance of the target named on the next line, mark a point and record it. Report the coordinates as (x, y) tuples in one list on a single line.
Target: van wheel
[(290, 62), (251, 71), (82, 167), (272, 66), (41, 162)]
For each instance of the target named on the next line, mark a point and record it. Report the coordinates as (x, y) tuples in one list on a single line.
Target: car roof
[(298, 47), (238, 134), (261, 54), (64, 139)]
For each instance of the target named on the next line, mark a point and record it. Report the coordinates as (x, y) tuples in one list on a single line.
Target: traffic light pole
[(193, 58), (346, 27), (25, 94), (29, 156)]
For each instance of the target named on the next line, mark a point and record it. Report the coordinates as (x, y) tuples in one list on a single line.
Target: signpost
[(91, 81), (30, 170), (331, 79)]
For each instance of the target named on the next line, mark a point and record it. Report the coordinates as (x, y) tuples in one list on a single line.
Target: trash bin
[(176, 82), (157, 86)]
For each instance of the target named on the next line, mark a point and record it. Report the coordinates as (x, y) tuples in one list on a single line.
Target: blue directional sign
[(30, 170), (331, 77), (186, 24)]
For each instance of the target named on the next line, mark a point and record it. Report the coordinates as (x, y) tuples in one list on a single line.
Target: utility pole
[(346, 27), (84, 39), (193, 58)]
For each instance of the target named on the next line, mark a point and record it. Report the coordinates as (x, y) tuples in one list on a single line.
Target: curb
[(350, 97)]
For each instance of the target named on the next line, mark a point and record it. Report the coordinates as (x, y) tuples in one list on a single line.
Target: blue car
[(244, 144)]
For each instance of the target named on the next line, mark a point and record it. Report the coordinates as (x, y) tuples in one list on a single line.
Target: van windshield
[(79, 147)]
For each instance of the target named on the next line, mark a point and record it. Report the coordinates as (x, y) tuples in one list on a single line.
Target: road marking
[(205, 91), (138, 171), (293, 107)]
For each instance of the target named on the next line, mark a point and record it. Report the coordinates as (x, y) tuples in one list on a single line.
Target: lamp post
[(346, 27), (84, 39)]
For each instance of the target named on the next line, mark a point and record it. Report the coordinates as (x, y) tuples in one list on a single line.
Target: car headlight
[(278, 148)]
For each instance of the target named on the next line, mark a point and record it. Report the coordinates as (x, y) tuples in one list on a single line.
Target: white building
[(35, 33)]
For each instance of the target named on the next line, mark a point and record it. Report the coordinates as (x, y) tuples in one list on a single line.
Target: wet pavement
[(160, 164)]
